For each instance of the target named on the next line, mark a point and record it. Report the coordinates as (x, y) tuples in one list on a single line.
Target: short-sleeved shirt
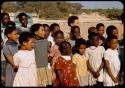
[(10, 48), (114, 63), (81, 64), (41, 52)]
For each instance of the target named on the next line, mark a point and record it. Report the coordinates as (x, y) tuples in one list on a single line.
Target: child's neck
[(11, 40), (39, 38)]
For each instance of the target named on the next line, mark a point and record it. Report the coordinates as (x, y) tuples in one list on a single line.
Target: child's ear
[(24, 43), (36, 32), (8, 35)]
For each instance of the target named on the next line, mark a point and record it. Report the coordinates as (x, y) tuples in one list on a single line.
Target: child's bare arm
[(109, 71), (100, 67), (90, 68), (58, 73), (10, 60)]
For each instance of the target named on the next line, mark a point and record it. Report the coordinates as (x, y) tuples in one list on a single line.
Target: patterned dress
[(67, 70)]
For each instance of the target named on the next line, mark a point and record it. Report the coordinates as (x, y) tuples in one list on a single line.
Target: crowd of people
[(41, 56)]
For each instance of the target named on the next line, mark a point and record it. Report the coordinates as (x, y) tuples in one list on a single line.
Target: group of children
[(41, 56)]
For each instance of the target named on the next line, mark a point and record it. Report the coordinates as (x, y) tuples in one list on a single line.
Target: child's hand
[(96, 74), (15, 68)]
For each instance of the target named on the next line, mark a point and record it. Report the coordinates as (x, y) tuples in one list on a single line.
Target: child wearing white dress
[(25, 59), (95, 55), (80, 60), (112, 62)]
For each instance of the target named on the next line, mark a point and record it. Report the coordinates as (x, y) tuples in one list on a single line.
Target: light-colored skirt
[(44, 76)]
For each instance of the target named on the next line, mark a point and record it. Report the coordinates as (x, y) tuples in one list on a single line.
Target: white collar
[(67, 57)]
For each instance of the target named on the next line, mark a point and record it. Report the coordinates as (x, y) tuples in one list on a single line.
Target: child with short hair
[(73, 21), (65, 69), (47, 30), (112, 62), (101, 29), (23, 19), (9, 49), (54, 51), (74, 34), (41, 55), (80, 60), (25, 60), (95, 60), (53, 28)]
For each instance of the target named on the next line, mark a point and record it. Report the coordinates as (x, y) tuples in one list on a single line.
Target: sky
[(100, 4)]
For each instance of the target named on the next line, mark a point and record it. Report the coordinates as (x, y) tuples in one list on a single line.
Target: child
[(3, 65), (111, 30), (74, 34), (25, 60), (112, 62), (73, 21), (54, 51), (91, 30), (64, 68), (5, 18), (41, 55), (9, 49), (80, 60), (101, 29), (47, 30), (53, 28), (23, 19), (95, 57)]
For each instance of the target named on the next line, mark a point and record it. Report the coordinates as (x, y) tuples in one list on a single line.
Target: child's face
[(13, 36), (30, 44), (56, 28), (76, 23), (6, 19), (46, 31), (113, 43), (24, 20), (115, 32), (95, 40), (101, 30), (77, 33), (82, 49), (41, 32), (66, 50), (59, 38)]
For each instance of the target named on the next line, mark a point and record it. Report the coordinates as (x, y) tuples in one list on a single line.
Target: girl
[(101, 29), (26, 74), (5, 18), (80, 60), (47, 30), (74, 34), (95, 57), (65, 69), (111, 30), (54, 51), (9, 49), (112, 62), (53, 28), (41, 55)]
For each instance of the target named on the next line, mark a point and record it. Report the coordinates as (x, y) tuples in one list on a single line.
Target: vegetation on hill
[(57, 10)]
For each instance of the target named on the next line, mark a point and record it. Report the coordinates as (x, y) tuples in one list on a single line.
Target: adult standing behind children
[(9, 49)]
